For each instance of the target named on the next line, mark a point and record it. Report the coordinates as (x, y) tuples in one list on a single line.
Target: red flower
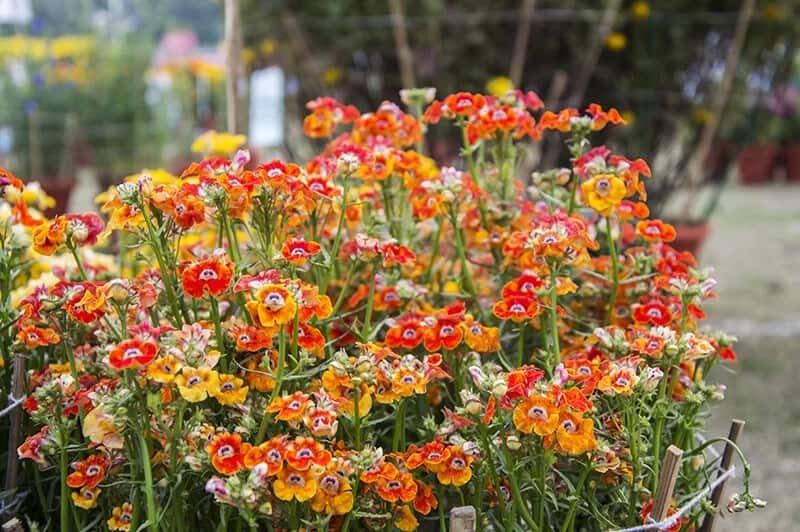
[(211, 276), (655, 231), (227, 453), (446, 333), (132, 353), (654, 313), (517, 308), (88, 473), (84, 228)]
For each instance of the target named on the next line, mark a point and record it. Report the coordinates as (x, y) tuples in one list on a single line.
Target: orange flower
[(86, 498), (164, 369), (407, 332), (89, 472), (425, 500), (250, 338), (380, 470), (342, 391), (48, 236), (446, 333), (297, 251), (537, 414), (407, 382), (432, 455), (481, 338), (231, 391), (34, 337), (290, 408), (271, 452), (619, 381), (87, 303), (274, 306), (209, 276), (303, 453), (403, 488), (456, 469), (258, 377), (405, 520), (463, 104), (309, 338), (227, 453), (334, 495), (656, 231), (132, 353), (575, 435), (517, 308), (321, 423), (291, 484)]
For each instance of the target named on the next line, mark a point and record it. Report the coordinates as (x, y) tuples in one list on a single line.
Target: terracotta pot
[(757, 162), (791, 161), (61, 191), (690, 237)]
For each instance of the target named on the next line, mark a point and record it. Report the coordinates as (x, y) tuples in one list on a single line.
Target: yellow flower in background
[(332, 75), (774, 11), (268, 47), (209, 71), (616, 41), (629, 117), (499, 85), (158, 176), (640, 10), (701, 115), (215, 143), (72, 46), (32, 194), (248, 56)]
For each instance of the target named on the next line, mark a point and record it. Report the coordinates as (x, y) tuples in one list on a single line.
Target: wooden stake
[(462, 519), (737, 425), (721, 97), (520, 52), (666, 482), (233, 64), (404, 55), (15, 425)]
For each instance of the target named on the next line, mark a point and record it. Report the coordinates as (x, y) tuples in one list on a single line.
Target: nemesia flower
[(48, 236), (291, 484), (86, 498), (603, 192), (227, 453), (231, 390), (274, 306), (121, 517), (195, 384), (132, 353), (209, 276)]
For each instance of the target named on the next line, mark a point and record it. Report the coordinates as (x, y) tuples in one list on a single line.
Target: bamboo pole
[(404, 55), (666, 483), (737, 425), (462, 519), (233, 64), (592, 57), (721, 97), (15, 425), (520, 52)]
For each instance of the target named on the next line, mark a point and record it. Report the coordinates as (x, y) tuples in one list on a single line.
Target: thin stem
[(569, 522), (63, 467), (398, 435), (612, 251), (150, 500), (556, 348), (276, 391), (218, 327), (357, 415)]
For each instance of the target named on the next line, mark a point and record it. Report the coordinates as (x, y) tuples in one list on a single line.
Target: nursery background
[(96, 90)]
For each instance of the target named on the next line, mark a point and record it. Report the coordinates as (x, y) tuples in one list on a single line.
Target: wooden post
[(666, 482), (727, 457), (721, 97), (521, 42), (15, 424), (233, 64), (404, 55), (462, 519)]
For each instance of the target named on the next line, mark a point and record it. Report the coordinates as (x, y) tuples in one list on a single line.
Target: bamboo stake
[(404, 55), (593, 56), (462, 519), (718, 104), (737, 425), (233, 64), (15, 425), (520, 52), (666, 482)]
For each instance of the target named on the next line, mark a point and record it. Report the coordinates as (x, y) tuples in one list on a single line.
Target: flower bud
[(513, 442)]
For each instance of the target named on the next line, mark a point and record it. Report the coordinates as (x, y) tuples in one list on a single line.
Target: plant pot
[(757, 162), (791, 162), (690, 237), (719, 155), (61, 191)]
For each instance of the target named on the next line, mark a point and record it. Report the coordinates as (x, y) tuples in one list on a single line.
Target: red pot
[(757, 162), (61, 191), (791, 161), (719, 155), (690, 237)]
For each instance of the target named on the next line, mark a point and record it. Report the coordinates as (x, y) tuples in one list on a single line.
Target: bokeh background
[(94, 90)]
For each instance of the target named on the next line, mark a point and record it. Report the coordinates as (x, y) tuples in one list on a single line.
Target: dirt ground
[(755, 250)]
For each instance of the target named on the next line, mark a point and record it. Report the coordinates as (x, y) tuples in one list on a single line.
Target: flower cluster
[(366, 340)]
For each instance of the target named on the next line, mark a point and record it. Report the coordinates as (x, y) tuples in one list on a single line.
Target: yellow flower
[(334, 495), (121, 517), (774, 11), (640, 10), (603, 192), (332, 75), (405, 520), (616, 41), (214, 143), (231, 391), (86, 498), (292, 484), (629, 117), (195, 384), (164, 369), (499, 85), (100, 428), (268, 47), (701, 115)]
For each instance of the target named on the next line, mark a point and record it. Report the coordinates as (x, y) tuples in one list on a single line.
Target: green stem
[(218, 329), (612, 251), (521, 345), (150, 500), (366, 330), (357, 415), (398, 435), (556, 348), (569, 522), (64, 472), (166, 277), (487, 448), (519, 503), (276, 391), (434, 249), (345, 286)]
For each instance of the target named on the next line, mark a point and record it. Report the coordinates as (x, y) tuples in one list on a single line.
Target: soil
[(755, 249)]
